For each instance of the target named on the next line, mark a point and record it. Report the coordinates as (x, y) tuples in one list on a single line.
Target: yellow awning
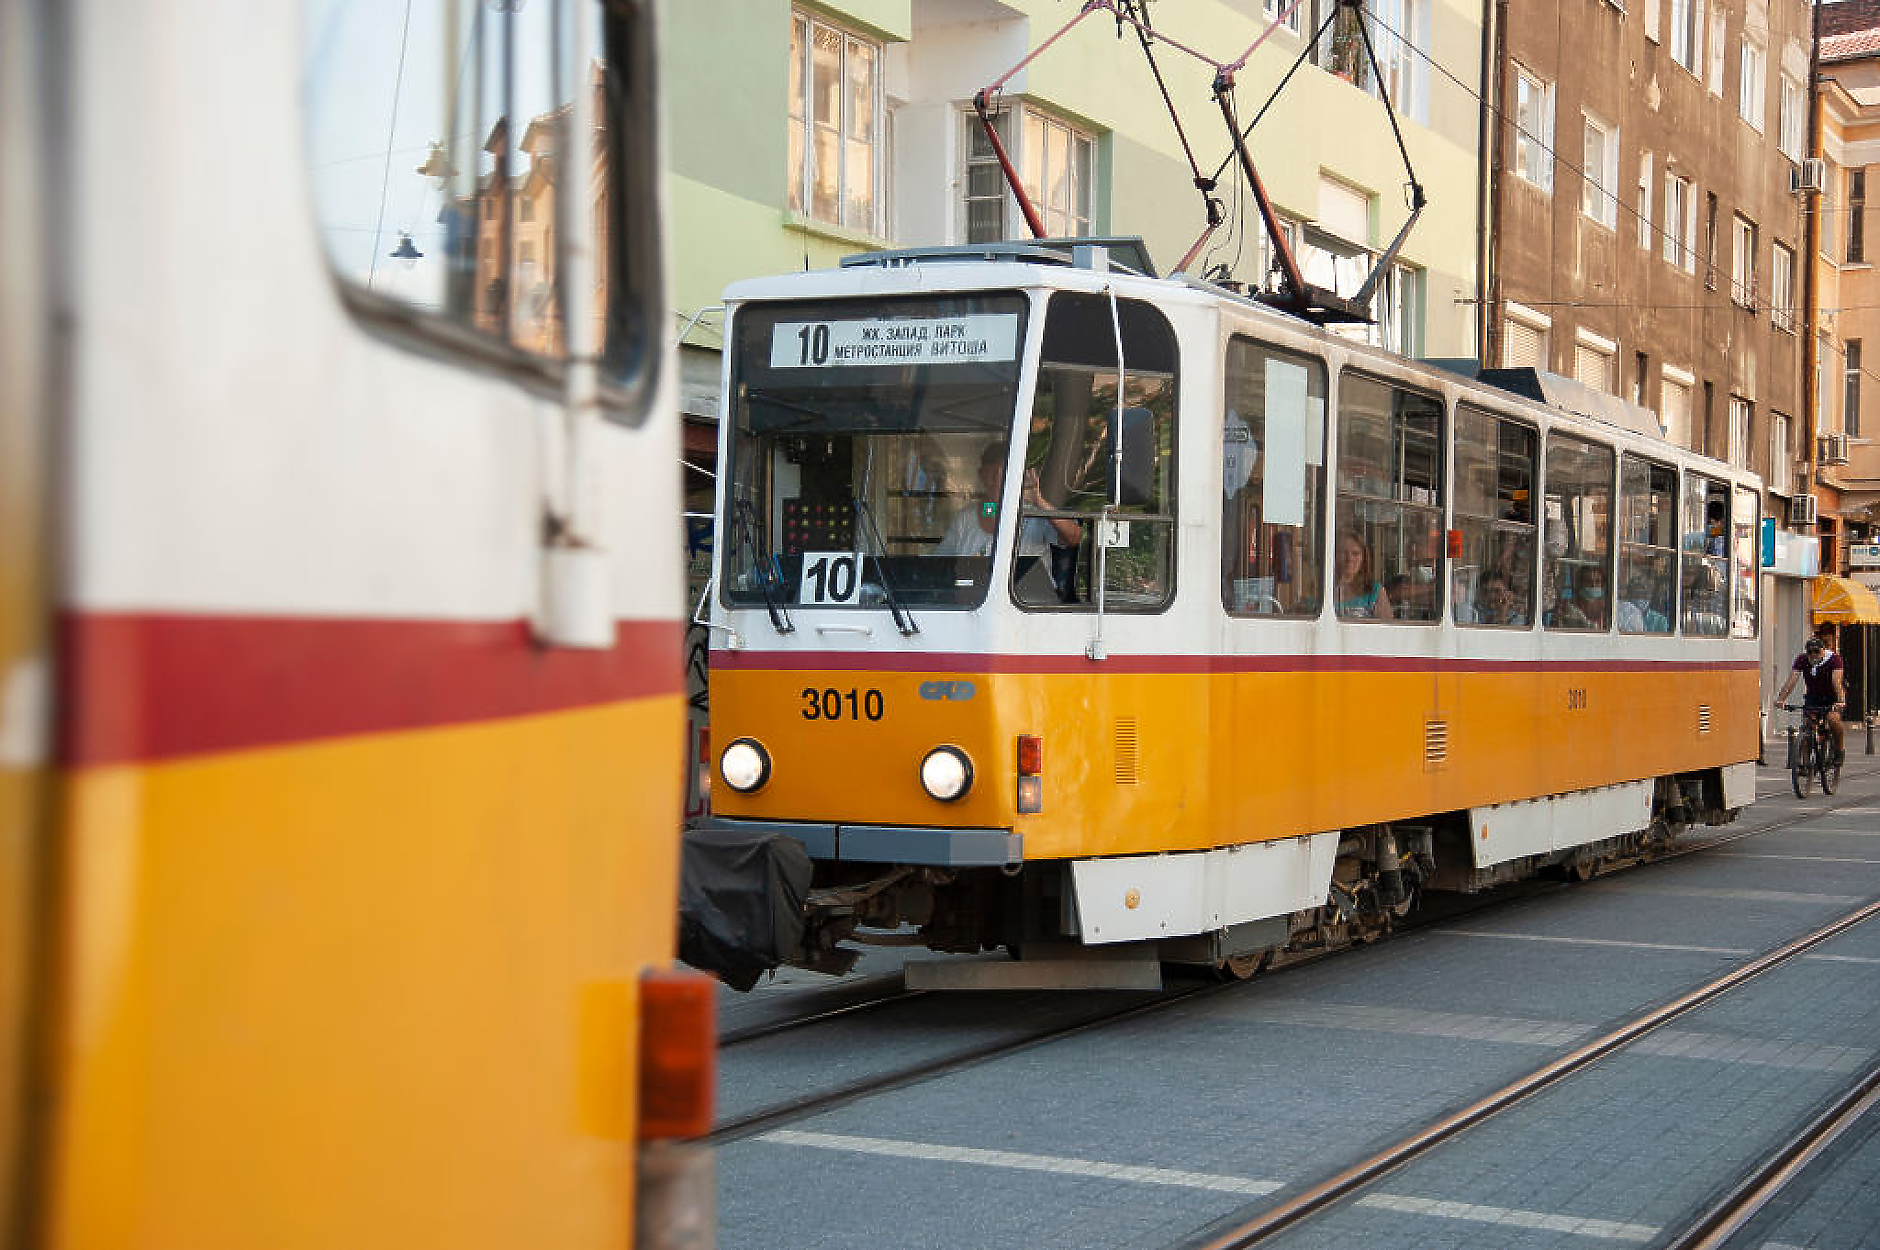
[(1845, 602)]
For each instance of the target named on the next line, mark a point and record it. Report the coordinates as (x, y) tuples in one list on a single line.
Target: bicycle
[(1811, 751)]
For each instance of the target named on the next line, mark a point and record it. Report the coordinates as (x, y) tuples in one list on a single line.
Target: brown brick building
[(1645, 233)]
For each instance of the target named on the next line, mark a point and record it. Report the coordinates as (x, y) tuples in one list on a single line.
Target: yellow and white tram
[(340, 632), (1069, 609)]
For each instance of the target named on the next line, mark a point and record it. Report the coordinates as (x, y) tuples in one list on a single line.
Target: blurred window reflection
[(436, 140)]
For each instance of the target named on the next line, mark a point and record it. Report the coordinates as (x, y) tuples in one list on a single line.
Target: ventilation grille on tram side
[(1703, 718), (1435, 742), (1126, 751)]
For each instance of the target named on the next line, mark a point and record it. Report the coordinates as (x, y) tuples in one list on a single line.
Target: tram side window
[(1388, 552), (1744, 564), (1069, 471), (435, 152), (1492, 582), (1576, 537), (1704, 576), (1273, 481), (1648, 517)]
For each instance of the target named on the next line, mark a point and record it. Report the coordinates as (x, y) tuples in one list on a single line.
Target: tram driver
[(971, 531)]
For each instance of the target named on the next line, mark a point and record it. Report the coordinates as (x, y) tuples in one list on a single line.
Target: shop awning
[(1845, 602)]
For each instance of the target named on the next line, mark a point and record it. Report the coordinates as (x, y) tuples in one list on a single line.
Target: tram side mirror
[(1137, 488)]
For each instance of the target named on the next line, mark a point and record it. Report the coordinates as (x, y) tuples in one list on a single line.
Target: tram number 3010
[(833, 704)]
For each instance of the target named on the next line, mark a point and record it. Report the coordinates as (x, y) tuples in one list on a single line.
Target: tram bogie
[(1063, 604)]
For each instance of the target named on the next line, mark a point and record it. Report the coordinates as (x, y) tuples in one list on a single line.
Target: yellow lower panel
[(1153, 762), (374, 992)]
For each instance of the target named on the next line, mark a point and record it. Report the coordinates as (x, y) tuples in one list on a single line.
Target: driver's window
[(1069, 470)]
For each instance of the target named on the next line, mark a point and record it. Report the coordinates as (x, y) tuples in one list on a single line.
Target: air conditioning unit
[(1801, 511), (1807, 177), (1836, 450)]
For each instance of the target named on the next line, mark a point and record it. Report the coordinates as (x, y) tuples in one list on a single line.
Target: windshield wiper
[(749, 529), (903, 619)]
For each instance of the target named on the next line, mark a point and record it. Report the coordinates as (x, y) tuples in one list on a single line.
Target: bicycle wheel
[(1802, 772), (1830, 766)]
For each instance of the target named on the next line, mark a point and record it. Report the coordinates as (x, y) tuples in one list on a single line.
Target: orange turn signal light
[(1455, 544), (678, 1053), (1030, 755)]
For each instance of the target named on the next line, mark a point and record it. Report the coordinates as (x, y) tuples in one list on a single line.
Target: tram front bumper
[(926, 846)]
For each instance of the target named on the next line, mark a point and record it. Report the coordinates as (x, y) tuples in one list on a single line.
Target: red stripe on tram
[(142, 687)]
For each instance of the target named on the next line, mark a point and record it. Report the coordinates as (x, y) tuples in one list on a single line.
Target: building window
[(1782, 288), (1641, 379), (1824, 388), (1743, 261), (1680, 225), (1533, 129), (1750, 85), (1398, 308), (1273, 8), (1687, 33), (1856, 213), (1710, 241), (1739, 432), (1599, 170), (1781, 459), (1674, 405), (1524, 338), (1645, 200), (1592, 360), (1824, 211), (1056, 164), (1791, 113), (1850, 389), (836, 135), (1398, 33)]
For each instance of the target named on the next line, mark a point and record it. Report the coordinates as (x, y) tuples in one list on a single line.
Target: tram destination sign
[(971, 339)]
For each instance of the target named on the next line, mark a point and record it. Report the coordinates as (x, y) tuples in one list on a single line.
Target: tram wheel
[(1244, 967)]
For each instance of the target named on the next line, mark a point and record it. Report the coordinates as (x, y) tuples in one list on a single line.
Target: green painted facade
[(725, 77)]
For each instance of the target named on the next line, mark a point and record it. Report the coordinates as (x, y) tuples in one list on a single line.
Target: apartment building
[(1647, 228), (803, 132)]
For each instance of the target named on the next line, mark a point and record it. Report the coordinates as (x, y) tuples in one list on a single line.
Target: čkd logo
[(947, 691)]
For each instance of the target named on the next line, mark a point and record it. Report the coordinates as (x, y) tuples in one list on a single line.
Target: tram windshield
[(868, 449)]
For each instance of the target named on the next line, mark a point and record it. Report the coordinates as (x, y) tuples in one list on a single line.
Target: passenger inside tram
[(1355, 588), (1589, 594), (1497, 604)]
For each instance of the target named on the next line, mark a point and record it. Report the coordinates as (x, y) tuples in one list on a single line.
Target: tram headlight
[(946, 773), (744, 765)]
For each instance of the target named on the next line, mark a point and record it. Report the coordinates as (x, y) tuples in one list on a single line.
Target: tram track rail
[(1354, 1178), (1734, 1209), (775, 1115), (894, 993)]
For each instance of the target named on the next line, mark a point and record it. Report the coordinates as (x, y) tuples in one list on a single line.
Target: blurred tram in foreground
[(1067, 609), (340, 603)]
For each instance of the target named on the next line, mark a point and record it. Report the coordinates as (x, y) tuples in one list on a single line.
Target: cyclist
[(1819, 669)]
